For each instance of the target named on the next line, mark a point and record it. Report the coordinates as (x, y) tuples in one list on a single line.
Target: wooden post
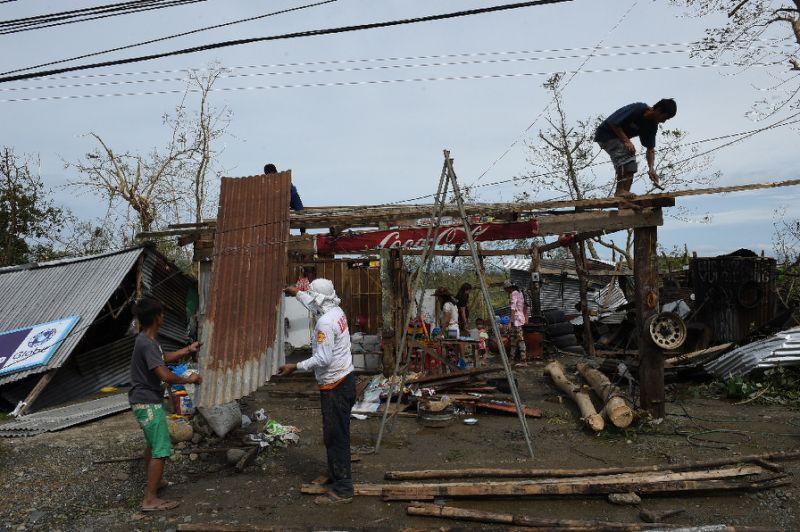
[(27, 403), (580, 267), (534, 288), (651, 360), (387, 286)]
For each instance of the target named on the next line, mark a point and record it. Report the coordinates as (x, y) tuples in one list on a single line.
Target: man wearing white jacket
[(332, 363)]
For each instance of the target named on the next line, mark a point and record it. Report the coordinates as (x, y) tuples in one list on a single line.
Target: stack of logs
[(615, 408)]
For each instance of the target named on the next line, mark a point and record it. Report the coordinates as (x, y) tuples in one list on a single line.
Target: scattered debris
[(624, 499), (782, 349)]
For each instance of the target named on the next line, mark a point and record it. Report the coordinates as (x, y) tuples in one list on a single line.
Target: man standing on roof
[(614, 135), (332, 363), (146, 396)]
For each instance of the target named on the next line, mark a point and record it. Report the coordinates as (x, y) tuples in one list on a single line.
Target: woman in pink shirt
[(519, 317)]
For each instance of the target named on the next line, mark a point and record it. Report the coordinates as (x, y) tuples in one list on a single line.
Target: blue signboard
[(32, 346)]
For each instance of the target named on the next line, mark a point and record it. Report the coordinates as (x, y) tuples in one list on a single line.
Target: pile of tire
[(561, 333)]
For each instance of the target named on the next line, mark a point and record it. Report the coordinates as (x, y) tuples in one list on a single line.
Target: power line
[(503, 60), (370, 60), (168, 37), (295, 35), (374, 82), (60, 19)]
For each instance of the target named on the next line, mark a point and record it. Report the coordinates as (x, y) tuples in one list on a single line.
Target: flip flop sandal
[(166, 505), (322, 479)]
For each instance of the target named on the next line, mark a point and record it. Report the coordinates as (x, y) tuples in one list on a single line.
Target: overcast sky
[(373, 142)]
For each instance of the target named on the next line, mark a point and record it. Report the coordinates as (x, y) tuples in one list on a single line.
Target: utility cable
[(168, 37), (372, 60), (374, 82), (10, 27), (294, 35), (348, 69)]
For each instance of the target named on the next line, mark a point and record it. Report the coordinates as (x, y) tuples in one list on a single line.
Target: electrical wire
[(168, 37), (284, 36), (21, 25), (372, 82), (465, 62)]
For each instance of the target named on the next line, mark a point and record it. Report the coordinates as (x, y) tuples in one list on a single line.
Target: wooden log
[(450, 512), (616, 410), (560, 473), (647, 483), (579, 255), (580, 396)]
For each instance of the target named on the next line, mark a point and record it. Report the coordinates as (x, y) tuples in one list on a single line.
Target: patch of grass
[(4, 416)]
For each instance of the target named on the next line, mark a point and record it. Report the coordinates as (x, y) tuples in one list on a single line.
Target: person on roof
[(295, 203), (614, 135), (146, 396), (332, 363)]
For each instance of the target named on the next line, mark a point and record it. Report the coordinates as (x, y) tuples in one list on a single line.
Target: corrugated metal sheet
[(603, 305), (243, 329), (64, 417), (53, 290), (783, 349)]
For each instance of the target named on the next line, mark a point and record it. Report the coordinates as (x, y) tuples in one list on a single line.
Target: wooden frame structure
[(571, 221)]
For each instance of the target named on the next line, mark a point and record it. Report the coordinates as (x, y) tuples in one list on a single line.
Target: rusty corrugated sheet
[(242, 333)]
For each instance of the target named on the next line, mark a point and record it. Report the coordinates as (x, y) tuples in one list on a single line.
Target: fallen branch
[(680, 359), (579, 395)]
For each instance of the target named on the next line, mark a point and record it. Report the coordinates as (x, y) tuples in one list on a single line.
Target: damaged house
[(66, 325)]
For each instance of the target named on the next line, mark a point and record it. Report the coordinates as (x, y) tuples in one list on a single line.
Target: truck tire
[(560, 329)]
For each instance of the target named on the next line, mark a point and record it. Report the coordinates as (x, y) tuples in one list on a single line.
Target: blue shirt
[(632, 121), (295, 203)]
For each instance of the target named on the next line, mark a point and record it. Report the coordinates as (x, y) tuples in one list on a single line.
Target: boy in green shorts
[(146, 396)]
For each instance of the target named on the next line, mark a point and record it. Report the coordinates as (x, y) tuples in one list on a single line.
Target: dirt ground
[(49, 481)]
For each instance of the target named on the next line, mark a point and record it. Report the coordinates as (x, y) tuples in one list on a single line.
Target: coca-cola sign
[(415, 237)]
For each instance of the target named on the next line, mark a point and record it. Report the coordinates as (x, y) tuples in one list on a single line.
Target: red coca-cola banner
[(414, 237)]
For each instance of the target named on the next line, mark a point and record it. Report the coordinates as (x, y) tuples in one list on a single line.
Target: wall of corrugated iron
[(243, 328), (357, 285), (734, 295)]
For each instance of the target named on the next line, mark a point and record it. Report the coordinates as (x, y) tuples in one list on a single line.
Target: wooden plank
[(573, 525), (651, 359), (680, 359), (508, 408), (637, 482), (483, 472), (27, 403)]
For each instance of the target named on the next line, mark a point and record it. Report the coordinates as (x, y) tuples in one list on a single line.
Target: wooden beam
[(651, 359), (27, 403)]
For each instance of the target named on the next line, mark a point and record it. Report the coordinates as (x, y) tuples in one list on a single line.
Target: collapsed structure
[(87, 339)]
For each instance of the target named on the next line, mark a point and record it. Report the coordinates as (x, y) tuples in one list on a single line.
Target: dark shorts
[(622, 159)]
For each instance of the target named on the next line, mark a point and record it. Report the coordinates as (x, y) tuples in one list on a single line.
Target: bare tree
[(756, 32), (565, 159), (786, 242), (144, 191)]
